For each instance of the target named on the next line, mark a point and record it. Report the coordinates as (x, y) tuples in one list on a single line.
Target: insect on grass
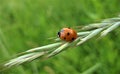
[(50, 50)]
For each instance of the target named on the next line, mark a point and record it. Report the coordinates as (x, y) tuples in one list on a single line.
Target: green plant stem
[(92, 69)]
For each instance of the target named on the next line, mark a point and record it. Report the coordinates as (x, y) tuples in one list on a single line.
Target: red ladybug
[(67, 34)]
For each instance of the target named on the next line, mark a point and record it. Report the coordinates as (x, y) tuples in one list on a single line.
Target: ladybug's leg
[(69, 28)]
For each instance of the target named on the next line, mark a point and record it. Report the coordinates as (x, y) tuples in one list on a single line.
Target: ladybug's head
[(59, 34)]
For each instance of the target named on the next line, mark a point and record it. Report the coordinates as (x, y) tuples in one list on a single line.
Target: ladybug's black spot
[(59, 34), (64, 38), (68, 33), (73, 38)]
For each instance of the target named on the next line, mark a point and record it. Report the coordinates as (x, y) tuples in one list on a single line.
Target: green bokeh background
[(25, 24)]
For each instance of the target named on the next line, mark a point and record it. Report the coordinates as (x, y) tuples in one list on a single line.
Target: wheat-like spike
[(45, 48), (106, 31), (92, 34), (59, 49), (86, 33)]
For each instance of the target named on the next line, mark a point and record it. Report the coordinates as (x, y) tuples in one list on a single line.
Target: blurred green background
[(25, 24)]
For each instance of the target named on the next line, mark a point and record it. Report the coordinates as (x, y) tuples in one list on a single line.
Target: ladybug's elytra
[(67, 34)]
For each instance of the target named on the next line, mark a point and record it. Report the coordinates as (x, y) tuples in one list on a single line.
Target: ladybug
[(67, 34)]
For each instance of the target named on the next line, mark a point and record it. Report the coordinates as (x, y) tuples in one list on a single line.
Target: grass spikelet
[(114, 26), (85, 33)]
